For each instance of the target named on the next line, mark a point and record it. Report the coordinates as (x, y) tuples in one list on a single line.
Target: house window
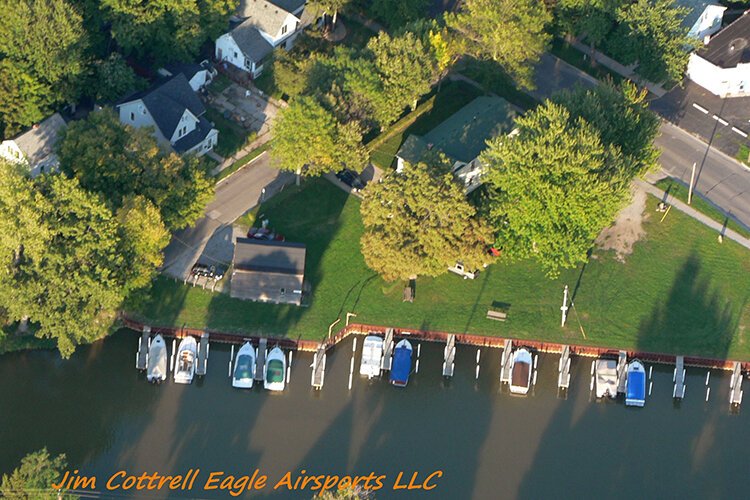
[(248, 64), (235, 54), (132, 116), (283, 30), (283, 291)]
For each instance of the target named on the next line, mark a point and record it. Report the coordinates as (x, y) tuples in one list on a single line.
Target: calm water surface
[(99, 410)]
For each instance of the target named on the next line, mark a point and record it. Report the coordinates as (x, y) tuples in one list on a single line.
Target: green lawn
[(243, 161), (678, 292), (232, 137), (680, 191), (429, 114)]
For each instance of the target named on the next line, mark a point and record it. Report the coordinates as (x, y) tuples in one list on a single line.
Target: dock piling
[(231, 358)]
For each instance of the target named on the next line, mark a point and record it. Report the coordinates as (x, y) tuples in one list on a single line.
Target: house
[(175, 112), (35, 148), (722, 66), (703, 19), (268, 271), (198, 75), (461, 138), (264, 25)]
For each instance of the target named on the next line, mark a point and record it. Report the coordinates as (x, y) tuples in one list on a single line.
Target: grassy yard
[(678, 292), (452, 97), (231, 136), (242, 161), (680, 191)]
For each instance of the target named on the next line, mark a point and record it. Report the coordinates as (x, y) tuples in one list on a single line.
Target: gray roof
[(167, 102), (196, 136), (464, 134), (262, 14), (39, 142), (187, 69), (288, 5), (269, 256), (731, 46), (695, 10), (250, 41)]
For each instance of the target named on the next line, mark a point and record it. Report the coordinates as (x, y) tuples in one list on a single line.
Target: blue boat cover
[(401, 365), (636, 386)]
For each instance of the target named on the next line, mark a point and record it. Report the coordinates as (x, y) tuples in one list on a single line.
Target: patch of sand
[(627, 228)]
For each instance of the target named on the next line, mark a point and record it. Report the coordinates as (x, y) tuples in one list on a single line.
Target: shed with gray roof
[(268, 271)]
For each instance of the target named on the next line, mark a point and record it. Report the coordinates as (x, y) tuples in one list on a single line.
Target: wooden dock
[(319, 367), (622, 372), (260, 360), (679, 378), (202, 365), (563, 367), (735, 387), (141, 357), (449, 355), (387, 350), (505, 362)]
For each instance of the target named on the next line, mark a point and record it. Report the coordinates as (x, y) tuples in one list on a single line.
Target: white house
[(175, 112), (198, 75), (723, 65), (703, 19), (461, 138), (35, 148), (265, 25)]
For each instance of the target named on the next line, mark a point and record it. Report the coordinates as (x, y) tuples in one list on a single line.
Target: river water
[(99, 410)]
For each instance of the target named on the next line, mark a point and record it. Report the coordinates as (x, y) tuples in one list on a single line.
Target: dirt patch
[(627, 228)]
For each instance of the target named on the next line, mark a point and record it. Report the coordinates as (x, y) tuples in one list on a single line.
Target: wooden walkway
[(735, 386), (260, 359), (505, 362), (387, 350), (679, 378), (319, 367), (622, 372), (563, 367), (141, 357), (202, 365), (449, 355)]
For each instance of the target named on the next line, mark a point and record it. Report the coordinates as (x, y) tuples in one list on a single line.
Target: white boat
[(244, 367), (605, 372), (157, 360), (275, 370), (372, 356), (520, 371), (635, 392), (184, 369)]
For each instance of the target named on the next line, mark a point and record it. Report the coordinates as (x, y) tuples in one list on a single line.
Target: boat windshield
[(275, 372), (243, 370), (185, 362)]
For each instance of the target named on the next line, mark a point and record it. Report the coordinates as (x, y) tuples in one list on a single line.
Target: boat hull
[(520, 372), (157, 360), (372, 357), (606, 378), (635, 392), (187, 353), (275, 358), (241, 362)]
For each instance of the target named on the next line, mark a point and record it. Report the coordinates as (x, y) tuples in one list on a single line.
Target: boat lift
[(141, 356), (679, 378), (318, 367), (203, 348), (505, 365), (260, 360), (385, 364), (622, 372), (563, 367), (449, 354), (735, 387)]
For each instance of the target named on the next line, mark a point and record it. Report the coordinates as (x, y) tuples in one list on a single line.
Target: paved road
[(235, 195)]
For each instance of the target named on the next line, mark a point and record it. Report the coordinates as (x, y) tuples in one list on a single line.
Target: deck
[(505, 364), (622, 372), (563, 377), (319, 367), (141, 357), (449, 355), (387, 350), (202, 365), (735, 387), (260, 363), (679, 378)]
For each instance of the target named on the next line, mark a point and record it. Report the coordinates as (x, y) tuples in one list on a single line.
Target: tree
[(113, 79), (593, 19), (622, 119), (419, 222), (119, 161), (396, 13), (330, 7), (308, 138), (553, 187), (34, 478), (651, 33), (511, 32), (43, 45)]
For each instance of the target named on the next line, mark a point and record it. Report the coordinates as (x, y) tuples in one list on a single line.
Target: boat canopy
[(401, 365), (636, 386), (244, 368), (275, 371)]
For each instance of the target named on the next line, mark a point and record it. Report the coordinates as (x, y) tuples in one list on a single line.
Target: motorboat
[(184, 369), (275, 370), (605, 377), (401, 366), (635, 391), (520, 371), (372, 356), (244, 367), (158, 363)]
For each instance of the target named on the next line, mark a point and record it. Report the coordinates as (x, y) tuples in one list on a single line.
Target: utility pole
[(690, 189), (564, 307)]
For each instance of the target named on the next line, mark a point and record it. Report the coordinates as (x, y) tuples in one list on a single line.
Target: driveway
[(234, 196)]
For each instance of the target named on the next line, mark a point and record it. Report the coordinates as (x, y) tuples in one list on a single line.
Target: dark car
[(200, 270), (350, 178)]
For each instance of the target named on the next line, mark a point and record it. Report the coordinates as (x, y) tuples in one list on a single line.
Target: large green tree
[(119, 161), (553, 187), (33, 479), (43, 53), (511, 32), (419, 223), (308, 139), (651, 33), (113, 79)]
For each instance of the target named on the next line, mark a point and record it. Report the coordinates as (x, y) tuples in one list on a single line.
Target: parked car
[(200, 269), (261, 233), (351, 179)]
